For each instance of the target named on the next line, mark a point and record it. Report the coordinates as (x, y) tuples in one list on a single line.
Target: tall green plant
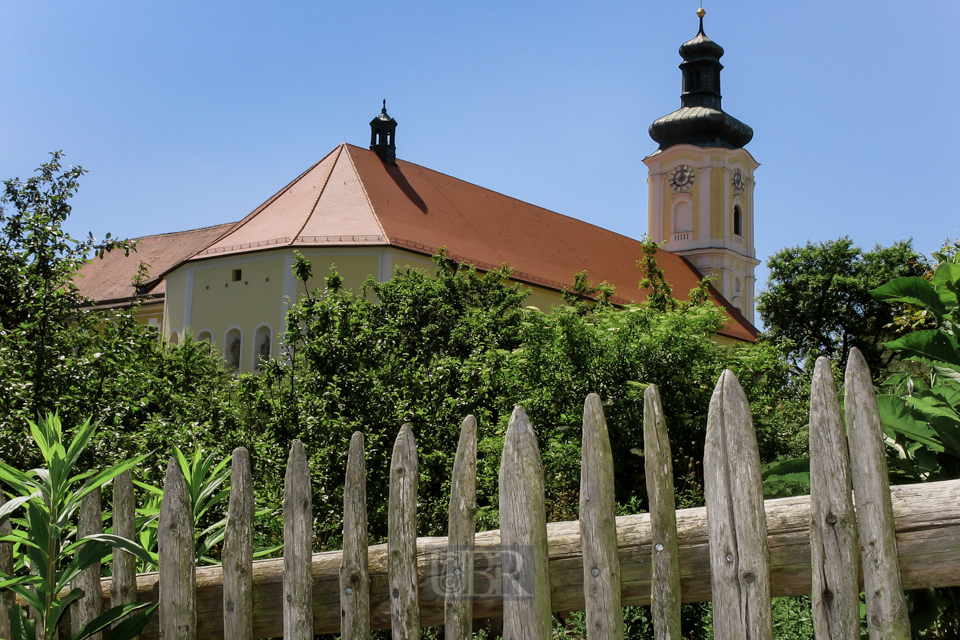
[(51, 498)]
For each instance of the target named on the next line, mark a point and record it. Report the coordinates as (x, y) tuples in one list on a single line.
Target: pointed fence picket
[(739, 551)]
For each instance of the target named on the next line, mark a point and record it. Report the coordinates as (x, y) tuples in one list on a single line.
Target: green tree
[(38, 259), (818, 303)]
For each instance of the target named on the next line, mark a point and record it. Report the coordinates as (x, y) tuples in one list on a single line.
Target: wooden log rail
[(926, 516)]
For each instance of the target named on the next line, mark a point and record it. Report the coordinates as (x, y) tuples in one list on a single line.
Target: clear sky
[(189, 114)]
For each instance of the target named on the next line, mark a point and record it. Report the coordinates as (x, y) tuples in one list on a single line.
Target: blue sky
[(189, 114)]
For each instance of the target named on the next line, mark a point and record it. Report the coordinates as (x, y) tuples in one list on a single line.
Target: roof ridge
[(177, 233), (250, 216), (313, 209), (366, 195)]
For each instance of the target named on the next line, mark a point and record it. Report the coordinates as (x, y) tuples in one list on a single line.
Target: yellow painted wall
[(219, 305)]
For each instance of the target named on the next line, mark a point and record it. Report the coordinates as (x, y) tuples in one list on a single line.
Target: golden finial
[(701, 12)]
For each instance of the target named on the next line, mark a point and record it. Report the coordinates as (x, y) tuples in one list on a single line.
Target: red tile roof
[(110, 279), (350, 197)]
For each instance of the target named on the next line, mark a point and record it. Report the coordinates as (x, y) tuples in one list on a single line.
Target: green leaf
[(947, 280), (104, 620), (928, 344), (122, 543), (132, 626), (915, 291), (896, 414)]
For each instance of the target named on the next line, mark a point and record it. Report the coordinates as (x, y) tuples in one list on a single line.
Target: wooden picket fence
[(738, 552)]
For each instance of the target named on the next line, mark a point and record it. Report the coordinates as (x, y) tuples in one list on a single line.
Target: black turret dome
[(700, 120)]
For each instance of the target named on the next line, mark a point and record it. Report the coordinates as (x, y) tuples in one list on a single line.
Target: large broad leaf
[(947, 280), (789, 468), (927, 344), (896, 414), (915, 291)]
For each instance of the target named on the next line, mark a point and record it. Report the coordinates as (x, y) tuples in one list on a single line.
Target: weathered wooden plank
[(402, 538), (462, 526), (833, 523), (84, 610), (598, 526), (354, 573), (739, 556), (238, 550), (178, 609), (123, 587), (6, 566), (297, 540), (658, 469), (886, 605), (525, 575), (927, 517)]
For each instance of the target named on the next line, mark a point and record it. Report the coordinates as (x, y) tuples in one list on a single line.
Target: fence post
[(523, 535), (178, 578), (665, 595), (835, 591), (354, 572), (886, 605), (462, 519), (238, 551), (402, 538), (7, 597), (297, 547), (598, 527), (90, 605), (736, 520), (123, 585)]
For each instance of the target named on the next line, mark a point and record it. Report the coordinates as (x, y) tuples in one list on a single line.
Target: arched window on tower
[(737, 221)]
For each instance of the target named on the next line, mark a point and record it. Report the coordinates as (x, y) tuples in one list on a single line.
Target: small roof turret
[(700, 121), (383, 130)]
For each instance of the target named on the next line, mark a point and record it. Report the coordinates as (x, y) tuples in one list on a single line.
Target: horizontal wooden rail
[(927, 518)]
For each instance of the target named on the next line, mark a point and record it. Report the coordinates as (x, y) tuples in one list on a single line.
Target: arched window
[(205, 336), (261, 347), (174, 338), (233, 347), (737, 220), (682, 217)]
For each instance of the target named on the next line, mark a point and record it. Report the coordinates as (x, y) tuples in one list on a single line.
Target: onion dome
[(700, 120)]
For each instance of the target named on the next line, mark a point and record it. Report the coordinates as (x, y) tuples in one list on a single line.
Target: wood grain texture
[(525, 576), (462, 519), (887, 616), (84, 610), (297, 547), (598, 527), (658, 469), (6, 566), (238, 550), (739, 556), (402, 538), (123, 588), (835, 596), (354, 573), (927, 518), (178, 608)]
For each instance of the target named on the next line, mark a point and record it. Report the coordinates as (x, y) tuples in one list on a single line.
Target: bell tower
[(383, 134), (701, 182)]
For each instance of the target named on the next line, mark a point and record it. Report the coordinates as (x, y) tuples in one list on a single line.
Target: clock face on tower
[(682, 178), (737, 181)]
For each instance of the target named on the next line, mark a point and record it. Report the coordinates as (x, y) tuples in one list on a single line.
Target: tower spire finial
[(701, 13), (384, 110)]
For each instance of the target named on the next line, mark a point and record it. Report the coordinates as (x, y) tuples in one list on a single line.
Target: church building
[(368, 212)]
